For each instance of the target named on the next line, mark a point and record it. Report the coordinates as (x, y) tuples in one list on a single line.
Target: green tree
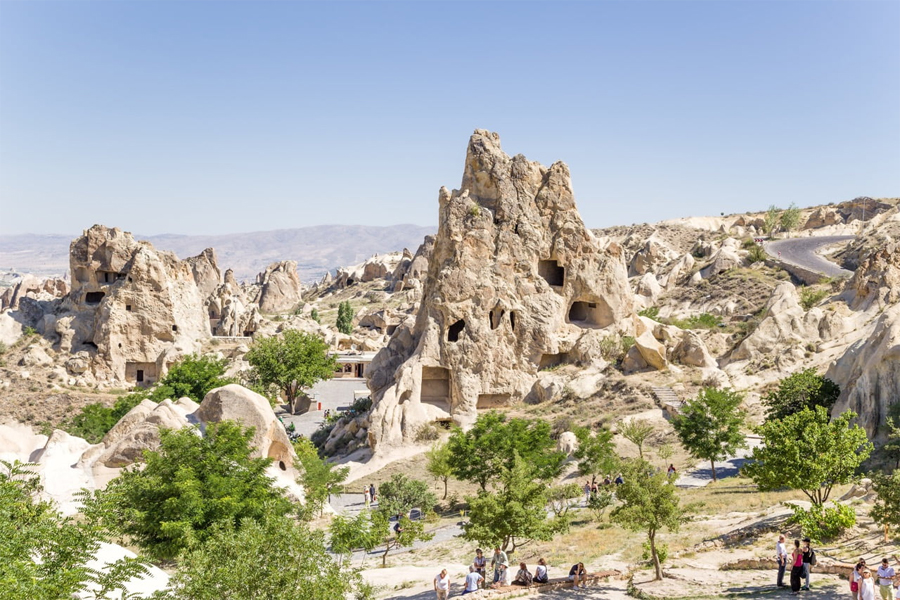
[(804, 389), (807, 451), (709, 426), (891, 447), (319, 478), (771, 220), (409, 532), (236, 561), (193, 376), (790, 218), (648, 504), (480, 454), (886, 511), (350, 533), (637, 431), (401, 494), (186, 486), (438, 464), (290, 362), (514, 515), (345, 318), (596, 454), (44, 555)]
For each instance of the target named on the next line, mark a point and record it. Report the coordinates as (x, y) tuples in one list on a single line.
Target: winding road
[(802, 253)]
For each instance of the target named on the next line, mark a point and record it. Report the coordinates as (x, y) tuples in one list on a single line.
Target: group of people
[(476, 578), (592, 488), (863, 582), (369, 494), (886, 580)]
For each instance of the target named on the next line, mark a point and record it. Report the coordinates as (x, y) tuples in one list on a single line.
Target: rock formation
[(516, 283), (280, 287)]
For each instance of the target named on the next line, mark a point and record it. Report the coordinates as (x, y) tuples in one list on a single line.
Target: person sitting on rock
[(523, 577), (540, 572)]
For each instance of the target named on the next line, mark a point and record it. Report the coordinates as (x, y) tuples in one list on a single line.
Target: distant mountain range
[(317, 249)]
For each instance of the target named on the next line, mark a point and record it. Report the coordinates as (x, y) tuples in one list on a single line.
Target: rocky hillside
[(315, 249)]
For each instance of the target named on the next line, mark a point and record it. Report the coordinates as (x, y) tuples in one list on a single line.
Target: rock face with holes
[(132, 310), (516, 283)]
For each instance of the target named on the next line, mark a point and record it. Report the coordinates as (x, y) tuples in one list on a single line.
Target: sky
[(206, 117)]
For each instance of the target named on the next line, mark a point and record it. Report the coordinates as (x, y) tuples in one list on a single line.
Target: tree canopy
[(886, 510), (637, 431), (290, 362), (438, 464), (319, 477), (709, 426), (515, 514), (187, 486), (401, 494), (596, 453), (807, 451), (804, 389), (790, 218), (344, 322), (481, 453), (649, 504)]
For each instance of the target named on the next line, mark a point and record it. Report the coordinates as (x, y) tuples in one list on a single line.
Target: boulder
[(823, 216), (280, 287), (236, 403), (653, 353), (724, 259), (692, 351)]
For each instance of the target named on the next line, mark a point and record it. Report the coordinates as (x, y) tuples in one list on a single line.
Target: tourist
[(587, 492), (480, 563), (808, 559), (540, 572), (578, 575), (781, 555), (366, 497), (594, 490), (442, 585), (885, 579), (372, 492), (607, 480), (502, 576), (473, 580), (523, 577), (867, 586), (670, 473), (856, 578), (796, 568), (619, 479), (498, 562)]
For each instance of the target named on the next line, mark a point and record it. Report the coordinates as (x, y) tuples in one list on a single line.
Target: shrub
[(701, 321), (611, 349), (756, 254), (95, 420), (3, 348), (474, 211), (627, 343), (651, 312), (662, 550), (428, 432), (809, 297), (314, 315), (823, 523)]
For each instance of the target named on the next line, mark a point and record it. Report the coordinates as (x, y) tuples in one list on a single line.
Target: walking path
[(701, 475)]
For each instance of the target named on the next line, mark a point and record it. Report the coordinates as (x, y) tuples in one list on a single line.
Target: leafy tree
[(44, 555), (480, 454), (665, 452), (807, 451), (637, 431), (891, 447), (709, 426), (561, 496), (804, 389), (236, 561), (193, 376), (771, 220), (345, 318), (438, 464), (349, 533), (320, 478), (600, 501), (790, 218), (596, 454), (186, 486), (648, 504), (290, 362), (516, 513), (410, 532), (401, 494), (886, 510)]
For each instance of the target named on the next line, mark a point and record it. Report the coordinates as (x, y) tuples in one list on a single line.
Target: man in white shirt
[(442, 585), (472, 581), (885, 579), (781, 555)]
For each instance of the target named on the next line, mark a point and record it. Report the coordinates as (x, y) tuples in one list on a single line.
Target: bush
[(756, 254), (701, 321), (95, 420), (651, 312), (611, 349), (627, 343), (823, 523), (428, 432), (320, 435), (662, 550), (809, 297)]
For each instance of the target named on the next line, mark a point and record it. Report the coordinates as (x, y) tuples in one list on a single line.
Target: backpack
[(812, 557)]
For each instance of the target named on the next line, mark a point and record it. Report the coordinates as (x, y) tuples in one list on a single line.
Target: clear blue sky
[(217, 117)]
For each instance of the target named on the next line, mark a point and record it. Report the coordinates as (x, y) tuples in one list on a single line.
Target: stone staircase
[(668, 400)]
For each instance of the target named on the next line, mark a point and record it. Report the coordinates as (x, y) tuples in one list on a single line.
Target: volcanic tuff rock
[(516, 283), (280, 287)]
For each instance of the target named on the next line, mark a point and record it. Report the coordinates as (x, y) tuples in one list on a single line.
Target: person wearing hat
[(807, 561)]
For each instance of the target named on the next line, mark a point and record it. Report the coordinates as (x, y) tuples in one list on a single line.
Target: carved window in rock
[(552, 272), (512, 319), (591, 314), (496, 317), (93, 297), (549, 361), (454, 331), (436, 387)]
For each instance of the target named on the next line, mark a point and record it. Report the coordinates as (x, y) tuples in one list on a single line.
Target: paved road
[(802, 252)]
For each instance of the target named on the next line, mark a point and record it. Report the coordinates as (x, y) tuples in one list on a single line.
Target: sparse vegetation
[(651, 312), (810, 296), (701, 321), (790, 218), (755, 254)]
